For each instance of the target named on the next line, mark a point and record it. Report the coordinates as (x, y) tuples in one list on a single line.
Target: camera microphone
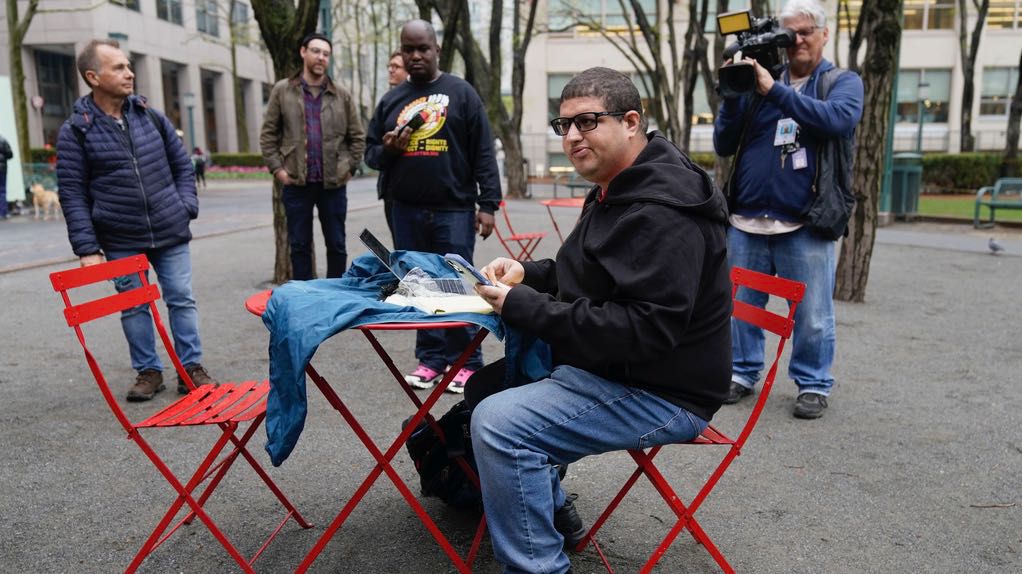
[(416, 121)]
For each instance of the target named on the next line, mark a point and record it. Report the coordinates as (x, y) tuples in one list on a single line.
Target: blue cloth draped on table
[(300, 315)]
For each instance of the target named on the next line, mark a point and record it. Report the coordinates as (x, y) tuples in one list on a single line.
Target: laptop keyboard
[(449, 285)]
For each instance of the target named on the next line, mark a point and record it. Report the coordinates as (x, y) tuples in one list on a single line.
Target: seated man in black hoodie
[(636, 309)]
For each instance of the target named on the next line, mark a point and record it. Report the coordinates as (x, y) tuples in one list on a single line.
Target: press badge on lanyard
[(786, 137)]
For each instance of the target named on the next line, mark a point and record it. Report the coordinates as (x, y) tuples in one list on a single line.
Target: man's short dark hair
[(614, 89), (316, 36), (87, 59)]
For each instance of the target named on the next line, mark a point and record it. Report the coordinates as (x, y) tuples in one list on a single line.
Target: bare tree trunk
[(16, 30), (883, 18), (968, 51), (1011, 167), (695, 61), (240, 115), (722, 165), (283, 25)]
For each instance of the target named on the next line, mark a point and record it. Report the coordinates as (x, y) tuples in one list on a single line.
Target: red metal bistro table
[(256, 304)]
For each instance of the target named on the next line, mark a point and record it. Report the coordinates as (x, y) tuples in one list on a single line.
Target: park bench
[(568, 177), (1006, 193)]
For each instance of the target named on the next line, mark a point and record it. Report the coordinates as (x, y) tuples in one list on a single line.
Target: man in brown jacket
[(312, 142)]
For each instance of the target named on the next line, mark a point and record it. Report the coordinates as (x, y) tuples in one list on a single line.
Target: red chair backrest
[(77, 314), (780, 325)]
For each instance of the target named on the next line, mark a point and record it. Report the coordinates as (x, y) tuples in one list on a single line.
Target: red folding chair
[(225, 405), (779, 325), (519, 246)]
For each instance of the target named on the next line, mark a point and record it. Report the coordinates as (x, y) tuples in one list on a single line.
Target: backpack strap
[(153, 117), (826, 82)]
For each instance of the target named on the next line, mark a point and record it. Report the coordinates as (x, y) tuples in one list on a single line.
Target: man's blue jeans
[(801, 256), (332, 205), (443, 232), (520, 433), (173, 266)]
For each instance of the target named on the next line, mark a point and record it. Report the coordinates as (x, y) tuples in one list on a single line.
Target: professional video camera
[(760, 39)]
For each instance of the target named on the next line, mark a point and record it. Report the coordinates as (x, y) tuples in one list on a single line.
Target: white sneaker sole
[(421, 383)]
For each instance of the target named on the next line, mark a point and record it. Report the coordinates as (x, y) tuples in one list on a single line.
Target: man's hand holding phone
[(503, 273)]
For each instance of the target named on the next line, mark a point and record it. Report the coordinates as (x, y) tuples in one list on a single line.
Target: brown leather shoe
[(147, 384), (199, 377)]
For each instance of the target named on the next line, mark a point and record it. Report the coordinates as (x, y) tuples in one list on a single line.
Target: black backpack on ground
[(440, 475)]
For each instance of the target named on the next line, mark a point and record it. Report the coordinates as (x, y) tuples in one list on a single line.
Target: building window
[(129, 4), (929, 14), (1004, 14), (848, 21), (610, 14), (938, 93), (239, 22), (554, 85), (998, 89), (206, 17), (239, 13), (169, 10), (56, 81)]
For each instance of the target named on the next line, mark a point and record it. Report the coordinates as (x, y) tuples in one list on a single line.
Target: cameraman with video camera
[(789, 194)]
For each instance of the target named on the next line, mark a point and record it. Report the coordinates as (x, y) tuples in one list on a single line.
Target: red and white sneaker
[(458, 383), (423, 377)]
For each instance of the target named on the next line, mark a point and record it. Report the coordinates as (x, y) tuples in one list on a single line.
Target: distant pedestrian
[(126, 187), (396, 75), (312, 142), (199, 165), (5, 154)]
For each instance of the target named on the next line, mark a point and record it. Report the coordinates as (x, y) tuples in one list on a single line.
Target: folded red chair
[(779, 325), (519, 246), (226, 406)]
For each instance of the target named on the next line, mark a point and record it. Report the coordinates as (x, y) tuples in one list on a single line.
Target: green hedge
[(960, 172), (706, 160), (238, 159), (41, 155)]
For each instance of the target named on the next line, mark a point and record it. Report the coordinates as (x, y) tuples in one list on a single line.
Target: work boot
[(736, 393), (810, 406), (199, 377), (568, 523), (147, 384)]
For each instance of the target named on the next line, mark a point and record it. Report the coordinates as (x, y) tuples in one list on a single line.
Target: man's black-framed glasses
[(585, 122)]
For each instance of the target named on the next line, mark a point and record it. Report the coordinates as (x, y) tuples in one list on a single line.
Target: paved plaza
[(916, 466)]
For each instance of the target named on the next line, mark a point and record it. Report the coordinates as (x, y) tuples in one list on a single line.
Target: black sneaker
[(736, 393), (147, 384), (568, 523), (810, 406), (199, 377)]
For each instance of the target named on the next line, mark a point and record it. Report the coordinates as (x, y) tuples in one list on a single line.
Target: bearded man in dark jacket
[(127, 187), (636, 309)]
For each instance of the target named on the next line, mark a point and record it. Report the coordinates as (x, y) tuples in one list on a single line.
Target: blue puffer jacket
[(131, 190)]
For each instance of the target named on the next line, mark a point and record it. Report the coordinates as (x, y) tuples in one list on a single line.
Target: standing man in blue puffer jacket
[(127, 187)]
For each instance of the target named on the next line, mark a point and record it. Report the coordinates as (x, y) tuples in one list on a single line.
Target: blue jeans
[(802, 256), (520, 433), (173, 266), (332, 205), (435, 231)]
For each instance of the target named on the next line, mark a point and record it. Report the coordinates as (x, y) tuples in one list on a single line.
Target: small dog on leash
[(45, 200)]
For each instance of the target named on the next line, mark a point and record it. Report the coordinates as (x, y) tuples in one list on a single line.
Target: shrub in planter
[(960, 172), (238, 159)]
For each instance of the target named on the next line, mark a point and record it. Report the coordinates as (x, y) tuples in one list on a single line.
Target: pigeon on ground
[(995, 247)]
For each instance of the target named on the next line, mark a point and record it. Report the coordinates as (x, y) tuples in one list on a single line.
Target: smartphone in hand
[(466, 270)]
